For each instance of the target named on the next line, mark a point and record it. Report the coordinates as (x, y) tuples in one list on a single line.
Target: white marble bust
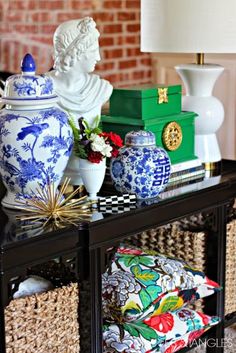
[(76, 52), (81, 93)]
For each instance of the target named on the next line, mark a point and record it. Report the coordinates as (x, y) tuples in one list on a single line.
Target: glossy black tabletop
[(108, 224)]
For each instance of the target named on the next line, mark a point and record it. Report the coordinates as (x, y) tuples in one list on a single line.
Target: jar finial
[(28, 64)]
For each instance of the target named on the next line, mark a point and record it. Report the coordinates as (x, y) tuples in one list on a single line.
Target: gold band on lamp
[(200, 58), (212, 168)]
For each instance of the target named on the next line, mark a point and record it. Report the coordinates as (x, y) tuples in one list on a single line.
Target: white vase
[(92, 175)]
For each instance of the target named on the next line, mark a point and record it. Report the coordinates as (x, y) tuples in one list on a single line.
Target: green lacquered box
[(184, 121), (145, 102)]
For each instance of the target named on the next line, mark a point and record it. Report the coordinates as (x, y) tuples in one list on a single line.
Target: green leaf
[(74, 130), (86, 124), (132, 331), (105, 327), (129, 260), (96, 131), (154, 291), (144, 330), (145, 298), (131, 308), (97, 120), (147, 277), (80, 151), (169, 304), (146, 260)]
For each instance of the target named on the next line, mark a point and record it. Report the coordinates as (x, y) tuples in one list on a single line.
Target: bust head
[(76, 44)]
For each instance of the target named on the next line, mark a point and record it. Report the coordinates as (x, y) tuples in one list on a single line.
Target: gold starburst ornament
[(50, 205)]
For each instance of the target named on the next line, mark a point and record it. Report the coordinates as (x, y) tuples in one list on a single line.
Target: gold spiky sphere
[(50, 204)]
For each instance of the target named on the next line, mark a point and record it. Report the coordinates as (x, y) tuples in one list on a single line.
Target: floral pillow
[(167, 332), (139, 283), (181, 342)]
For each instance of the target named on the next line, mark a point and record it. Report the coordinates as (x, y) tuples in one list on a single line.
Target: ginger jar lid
[(140, 138), (28, 88)]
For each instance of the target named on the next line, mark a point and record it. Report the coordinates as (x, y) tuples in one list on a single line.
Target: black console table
[(90, 244)]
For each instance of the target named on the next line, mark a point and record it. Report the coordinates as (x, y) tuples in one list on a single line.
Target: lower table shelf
[(91, 241)]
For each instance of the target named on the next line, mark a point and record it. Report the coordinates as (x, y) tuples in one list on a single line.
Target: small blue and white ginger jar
[(141, 167), (35, 137)]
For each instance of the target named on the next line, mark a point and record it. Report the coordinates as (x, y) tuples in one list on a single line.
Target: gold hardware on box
[(162, 95), (172, 136)]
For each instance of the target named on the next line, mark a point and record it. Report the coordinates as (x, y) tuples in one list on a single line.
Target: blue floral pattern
[(32, 86), (143, 170), (47, 86), (35, 147), (24, 88)]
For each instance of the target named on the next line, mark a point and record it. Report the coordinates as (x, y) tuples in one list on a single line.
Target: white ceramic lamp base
[(199, 81)]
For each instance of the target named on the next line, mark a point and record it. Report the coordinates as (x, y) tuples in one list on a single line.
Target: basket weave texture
[(230, 280), (172, 241), (44, 323)]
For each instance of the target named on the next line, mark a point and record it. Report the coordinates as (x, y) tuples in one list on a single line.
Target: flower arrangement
[(92, 144)]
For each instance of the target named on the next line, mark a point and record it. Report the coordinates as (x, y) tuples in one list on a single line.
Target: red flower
[(95, 157), (212, 283), (205, 318), (162, 323), (114, 138), (174, 347), (129, 251), (195, 334), (114, 152)]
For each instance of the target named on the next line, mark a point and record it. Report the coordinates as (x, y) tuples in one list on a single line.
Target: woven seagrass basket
[(44, 323), (230, 272)]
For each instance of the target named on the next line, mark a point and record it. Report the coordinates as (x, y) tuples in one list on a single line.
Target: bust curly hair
[(71, 40)]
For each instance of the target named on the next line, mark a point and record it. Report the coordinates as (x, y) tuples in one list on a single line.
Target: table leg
[(96, 301), (3, 300), (216, 271)]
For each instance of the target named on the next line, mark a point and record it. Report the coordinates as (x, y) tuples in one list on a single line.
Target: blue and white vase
[(141, 167), (35, 138)]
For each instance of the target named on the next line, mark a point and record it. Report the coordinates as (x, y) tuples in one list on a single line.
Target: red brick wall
[(28, 26)]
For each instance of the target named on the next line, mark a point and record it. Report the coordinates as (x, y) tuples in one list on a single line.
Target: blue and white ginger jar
[(140, 167), (35, 138)]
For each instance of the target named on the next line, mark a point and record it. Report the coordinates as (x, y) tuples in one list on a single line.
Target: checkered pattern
[(117, 204), (116, 208), (124, 199)]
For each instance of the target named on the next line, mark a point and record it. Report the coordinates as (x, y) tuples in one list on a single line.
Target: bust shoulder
[(83, 94)]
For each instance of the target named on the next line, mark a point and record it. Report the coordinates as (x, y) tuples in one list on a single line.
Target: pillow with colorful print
[(166, 332), (139, 283), (189, 339)]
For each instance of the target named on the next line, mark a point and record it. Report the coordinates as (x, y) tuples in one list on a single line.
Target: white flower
[(115, 343), (99, 145), (107, 151)]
